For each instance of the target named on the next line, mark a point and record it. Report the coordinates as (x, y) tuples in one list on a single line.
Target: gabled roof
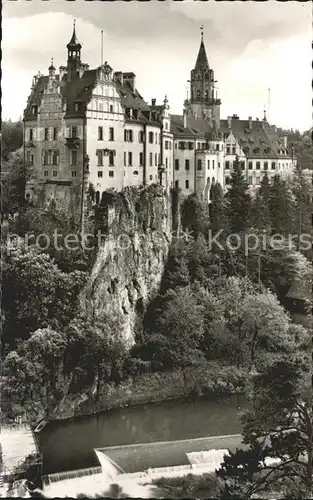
[(196, 128), (35, 97), (259, 141), (202, 60)]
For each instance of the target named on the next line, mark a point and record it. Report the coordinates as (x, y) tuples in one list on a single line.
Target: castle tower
[(73, 57), (204, 101)]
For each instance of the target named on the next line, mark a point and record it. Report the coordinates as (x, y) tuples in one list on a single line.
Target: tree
[(260, 205), (179, 329), (302, 198), (278, 430), (194, 216), (238, 201), (217, 208), (11, 137), (15, 175), (281, 207), (36, 293)]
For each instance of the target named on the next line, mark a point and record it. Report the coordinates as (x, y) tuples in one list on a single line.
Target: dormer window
[(34, 109), (77, 106)]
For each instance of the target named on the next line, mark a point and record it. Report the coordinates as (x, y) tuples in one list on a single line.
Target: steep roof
[(73, 43), (259, 141), (202, 60), (35, 97), (196, 128)]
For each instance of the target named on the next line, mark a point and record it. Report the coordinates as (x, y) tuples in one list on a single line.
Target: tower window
[(150, 137), (199, 165), (111, 134), (135, 172), (208, 164), (74, 132), (227, 165), (213, 164), (46, 134), (30, 134)]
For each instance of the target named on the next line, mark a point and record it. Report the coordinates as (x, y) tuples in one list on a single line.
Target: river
[(68, 444)]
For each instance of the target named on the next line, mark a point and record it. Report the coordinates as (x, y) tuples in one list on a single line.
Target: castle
[(90, 129)]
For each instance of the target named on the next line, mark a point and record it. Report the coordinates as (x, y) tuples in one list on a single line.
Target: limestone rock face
[(137, 228)]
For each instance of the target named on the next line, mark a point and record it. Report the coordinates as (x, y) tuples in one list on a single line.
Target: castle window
[(234, 150), (217, 147), (46, 134), (111, 173), (227, 165), (258, 165), (100, 173), (55, 133), (265, 165), (140, 136), (76, 106), (31, 134), (190, 145), (250, 165), (228, 150), (45, 173), (55, 173), (45, 157), (155, 159), (187, 166), (176, 164), (150, 137), (150, 177), (156, 138), (135, 172), (140, 158), (125, 158), (176, 184), (111, 134), (187, 184), (198, 93), (166, 145), (34, 110), (135, 114), (273, 165), (181, 145), (153, 116), (170, 145), (111, 108), (166, 126), (213, 164), (219, 165), (166, 162), (100, 133), (30, 158), (151, 160), (208, 164), (130, 158), (99, 154), (74, 132), (55, 157), (74, 173), (199, 165), (206, 95), (111, 158)]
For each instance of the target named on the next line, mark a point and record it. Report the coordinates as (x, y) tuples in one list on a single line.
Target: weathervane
[(201, 30)]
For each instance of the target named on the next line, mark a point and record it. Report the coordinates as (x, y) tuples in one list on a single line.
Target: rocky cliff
[(133, 231)]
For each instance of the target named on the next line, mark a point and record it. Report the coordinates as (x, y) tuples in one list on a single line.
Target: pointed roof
[(202, 60), (74, 43)]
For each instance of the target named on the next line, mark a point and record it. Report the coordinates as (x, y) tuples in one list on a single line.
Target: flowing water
[(69, 444)]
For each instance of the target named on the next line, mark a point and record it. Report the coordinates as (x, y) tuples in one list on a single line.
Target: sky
[(251, 46)]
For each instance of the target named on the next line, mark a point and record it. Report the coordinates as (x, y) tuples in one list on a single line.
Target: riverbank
[(207, 380)]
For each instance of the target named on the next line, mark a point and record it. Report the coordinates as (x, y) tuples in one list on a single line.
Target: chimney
[(250, 122), (285, 139), (153, 101), (229, 122), (185, 118)]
